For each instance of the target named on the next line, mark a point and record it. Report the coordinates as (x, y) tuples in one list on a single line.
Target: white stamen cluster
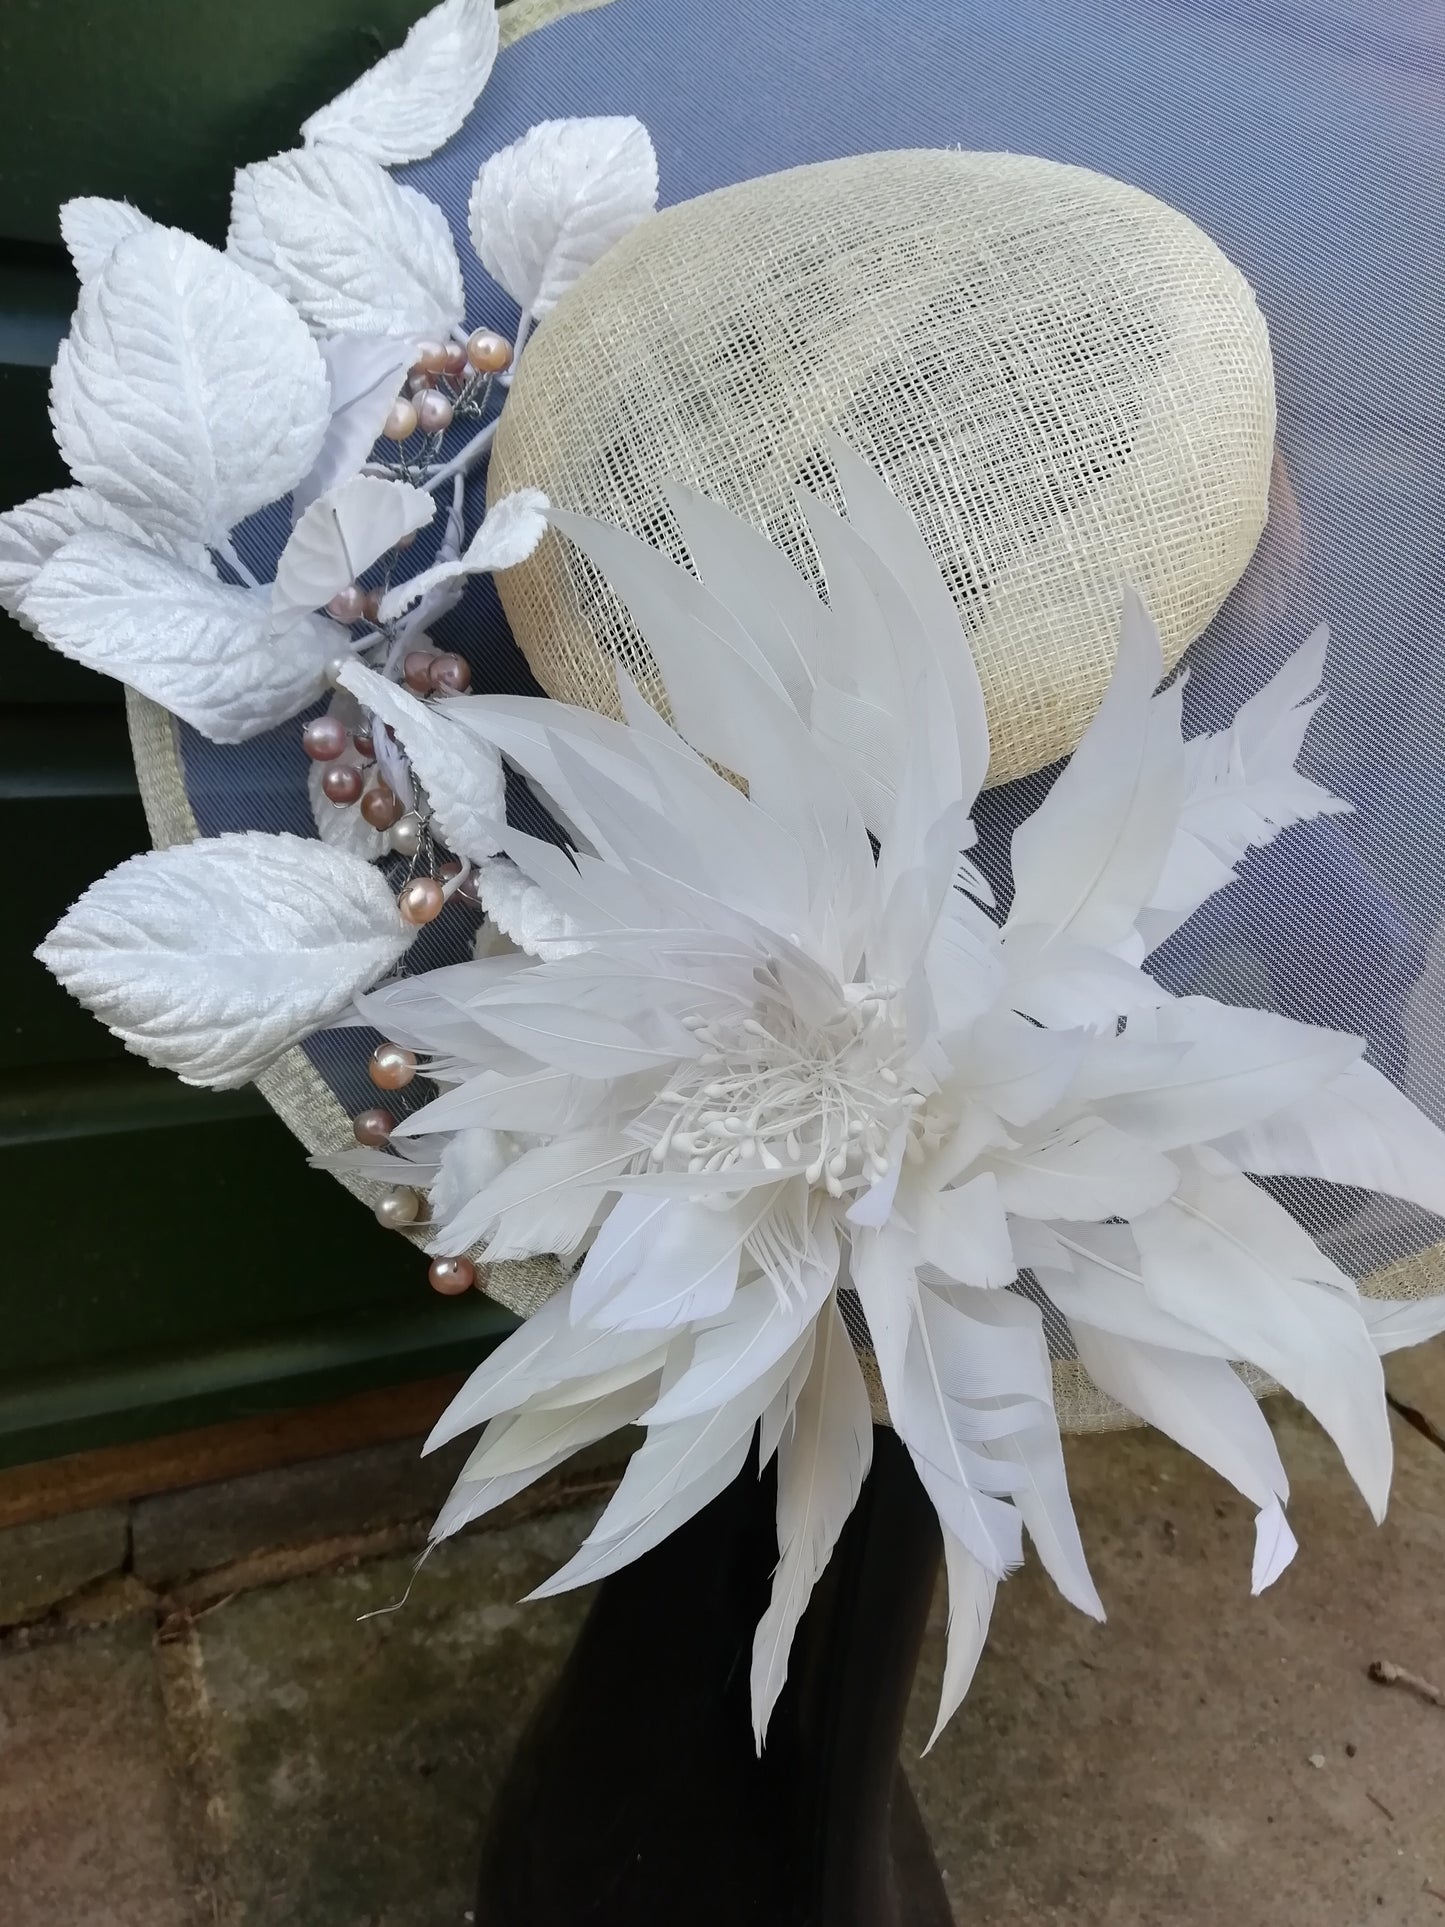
[(774, 1091)]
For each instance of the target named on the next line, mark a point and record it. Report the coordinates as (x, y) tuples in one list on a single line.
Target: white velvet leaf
[(93, 228), (822, 1463), (510, 530), (31, 533), (365, 374), (352, 250), (523, 912), (416, 97), (211, 958), (461, 775), (210, 653), (186, 393), (545, 208), (342, 534)]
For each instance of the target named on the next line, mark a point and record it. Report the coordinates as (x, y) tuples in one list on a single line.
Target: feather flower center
[(775, 1091)]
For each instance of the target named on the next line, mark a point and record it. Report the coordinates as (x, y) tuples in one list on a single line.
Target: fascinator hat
[(843, 874)]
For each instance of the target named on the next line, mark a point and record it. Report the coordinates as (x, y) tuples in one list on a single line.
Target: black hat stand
[(636, 1798)]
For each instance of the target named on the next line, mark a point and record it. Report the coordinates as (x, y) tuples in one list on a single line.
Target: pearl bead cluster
[(447, 382), (392, 1068), (771, 1090), (326, 739)]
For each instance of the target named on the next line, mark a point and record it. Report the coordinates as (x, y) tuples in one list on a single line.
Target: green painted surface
[(169, 1259), (158, 104)]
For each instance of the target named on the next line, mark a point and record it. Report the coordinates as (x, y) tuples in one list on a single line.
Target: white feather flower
[(766, 1079)]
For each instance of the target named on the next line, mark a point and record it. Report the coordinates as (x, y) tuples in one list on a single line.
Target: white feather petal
[(1222, 1256), (971, 1593), (1360, 1129), (1086, 1170), (822, 1463), (1089, 857)]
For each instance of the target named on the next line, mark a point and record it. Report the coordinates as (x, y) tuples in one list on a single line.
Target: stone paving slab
[(48, 1560), (355, 1759), (1206, 1759), (88, 1812), (1203, 1760), (178, 1533)]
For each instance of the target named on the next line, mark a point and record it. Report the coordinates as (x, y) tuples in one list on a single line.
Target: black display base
[(636, 1798)]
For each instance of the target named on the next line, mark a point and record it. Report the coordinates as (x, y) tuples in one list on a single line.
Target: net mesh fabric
[(1066, 381), (1309, 141)]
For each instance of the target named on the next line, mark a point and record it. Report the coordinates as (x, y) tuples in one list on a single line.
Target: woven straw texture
[(1066, 381)]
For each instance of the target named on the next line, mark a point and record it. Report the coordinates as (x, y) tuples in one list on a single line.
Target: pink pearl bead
[(451, 1276), (431, 356), (405, 540), (343, 785), (397, 1209), (418, 382), (381, 806), (416, 670), (400, 421), (324, 738), (449, 675), (371, 604), (363, 745), (454, 362), (466, 891), (372, 1128), (345, 605), (489, 353), (392, 1067), (433, 413), (421, 900)]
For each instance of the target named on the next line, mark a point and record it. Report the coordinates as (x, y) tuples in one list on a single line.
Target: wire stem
[(226, 550), (459, 464)]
